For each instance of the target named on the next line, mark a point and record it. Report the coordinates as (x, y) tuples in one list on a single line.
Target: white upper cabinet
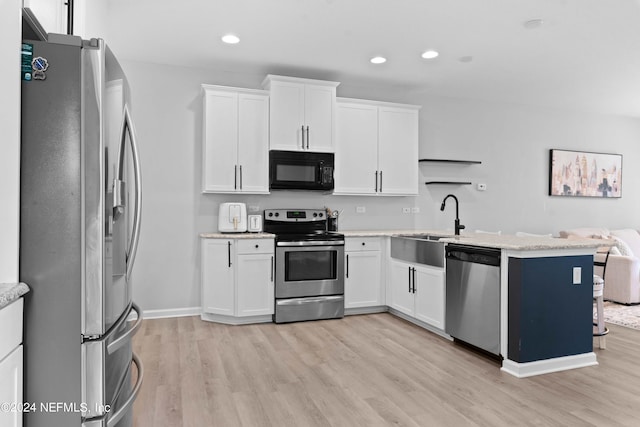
[(376, 148), (236, 140), (302, 113), (356, 148), (398, 150)]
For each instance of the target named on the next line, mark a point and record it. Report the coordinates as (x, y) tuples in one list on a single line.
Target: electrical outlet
[(482, 187), (415, 209), (406, 210), (361, 209), (577, 275)]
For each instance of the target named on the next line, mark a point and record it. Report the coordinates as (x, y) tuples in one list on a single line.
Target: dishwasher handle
[(474, 255)]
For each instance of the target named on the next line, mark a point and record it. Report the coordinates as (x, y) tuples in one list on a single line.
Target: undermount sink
[(421, 248)]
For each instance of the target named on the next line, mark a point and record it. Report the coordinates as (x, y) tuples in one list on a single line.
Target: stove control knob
[(320, 214), (315, 214), (277, 214), (270, 214)]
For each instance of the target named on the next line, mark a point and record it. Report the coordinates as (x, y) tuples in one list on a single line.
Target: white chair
[(599, 329)]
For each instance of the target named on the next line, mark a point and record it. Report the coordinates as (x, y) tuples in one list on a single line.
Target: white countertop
[(388, 233), (245, 235), (528, 243), (498, 241), (10, 292)]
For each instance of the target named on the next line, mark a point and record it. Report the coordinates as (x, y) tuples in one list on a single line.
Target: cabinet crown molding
[(206, 87), (341, 100), (266, 83)]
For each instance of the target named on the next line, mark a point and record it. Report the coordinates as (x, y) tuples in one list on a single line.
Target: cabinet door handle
[(347, 266), (235, 177), (414, 280), (381, 181), (376, 181), (241, 177), (229, 252), (409, 279), (302, 130), (272, 268), (307, 137)]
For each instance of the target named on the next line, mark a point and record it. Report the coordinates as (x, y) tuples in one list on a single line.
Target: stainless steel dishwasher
[(473, 296)]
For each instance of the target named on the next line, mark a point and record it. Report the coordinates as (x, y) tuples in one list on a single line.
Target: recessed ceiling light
[(230, 39), (532, 24), (430, 54), (378, 60)]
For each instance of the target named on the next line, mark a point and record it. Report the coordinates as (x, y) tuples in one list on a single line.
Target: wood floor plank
[(366, 370)]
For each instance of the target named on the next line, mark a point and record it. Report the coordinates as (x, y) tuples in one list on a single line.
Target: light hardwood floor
[(368, 370)]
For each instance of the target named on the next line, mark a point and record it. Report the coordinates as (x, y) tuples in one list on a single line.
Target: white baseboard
[(539, 367), (420, 323), (171, 312), (365, 310), (234, 320)]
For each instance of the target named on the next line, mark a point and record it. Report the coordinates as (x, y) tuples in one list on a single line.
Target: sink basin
[(420, 249)]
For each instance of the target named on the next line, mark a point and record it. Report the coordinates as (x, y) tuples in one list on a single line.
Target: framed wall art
[(585, 174)]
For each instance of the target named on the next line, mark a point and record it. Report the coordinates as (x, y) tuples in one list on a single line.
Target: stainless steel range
[(309, 265)]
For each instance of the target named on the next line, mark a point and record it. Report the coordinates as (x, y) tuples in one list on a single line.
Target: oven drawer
[(254, 246), (313, 308), (362, 244)]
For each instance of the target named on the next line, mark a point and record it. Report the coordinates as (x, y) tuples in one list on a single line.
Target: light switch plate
[(577, 275)]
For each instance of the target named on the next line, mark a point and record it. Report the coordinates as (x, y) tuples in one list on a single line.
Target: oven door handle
[(313, 243)]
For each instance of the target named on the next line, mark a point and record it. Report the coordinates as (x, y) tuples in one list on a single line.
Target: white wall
[(512, 142), (10, 25)]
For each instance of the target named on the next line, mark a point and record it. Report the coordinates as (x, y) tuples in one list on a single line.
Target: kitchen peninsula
[(545, 297)]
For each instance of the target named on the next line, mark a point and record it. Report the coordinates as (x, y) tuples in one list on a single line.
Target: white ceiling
[(585, 57)]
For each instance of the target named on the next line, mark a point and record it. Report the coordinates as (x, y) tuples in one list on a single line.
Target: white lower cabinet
[(417, 291), (218, 278), (237, 280), (254, 278), (430, 289), (363, 273), (11, 388), (11, 364)]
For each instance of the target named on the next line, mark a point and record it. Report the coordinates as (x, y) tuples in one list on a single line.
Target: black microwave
[(300, 170)]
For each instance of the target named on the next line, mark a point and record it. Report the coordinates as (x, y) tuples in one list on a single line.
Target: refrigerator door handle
[(128, 129), (113, 419), (124, 338)]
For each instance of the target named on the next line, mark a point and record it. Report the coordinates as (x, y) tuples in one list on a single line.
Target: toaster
[(232, 218)]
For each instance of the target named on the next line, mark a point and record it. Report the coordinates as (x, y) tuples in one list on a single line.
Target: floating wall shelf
[(465, 162)]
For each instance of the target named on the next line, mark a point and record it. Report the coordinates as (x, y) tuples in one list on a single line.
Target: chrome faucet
[(458, 226)]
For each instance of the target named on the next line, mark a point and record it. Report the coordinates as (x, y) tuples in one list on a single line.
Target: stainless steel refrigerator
[(80, 213)]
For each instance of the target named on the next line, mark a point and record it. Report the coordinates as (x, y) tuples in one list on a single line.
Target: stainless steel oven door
[(306, 269)]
